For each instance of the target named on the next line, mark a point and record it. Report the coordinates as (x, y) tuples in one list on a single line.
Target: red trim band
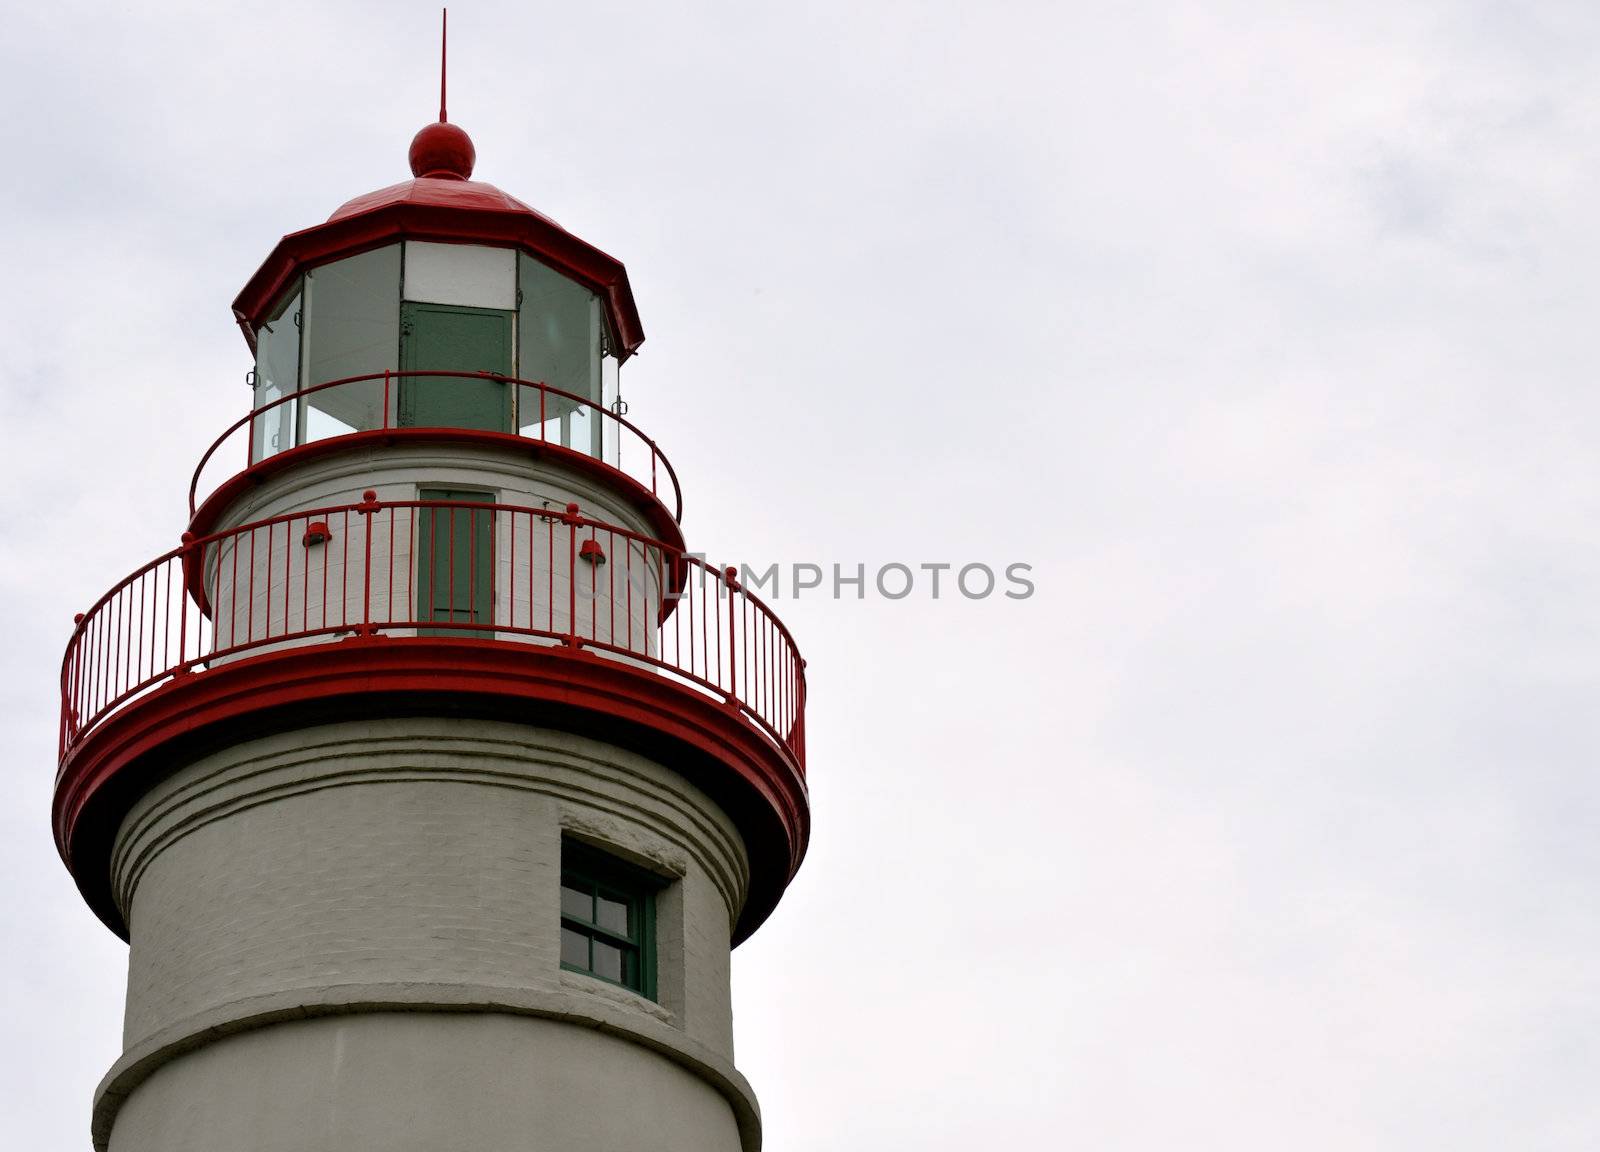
[(755, 781)]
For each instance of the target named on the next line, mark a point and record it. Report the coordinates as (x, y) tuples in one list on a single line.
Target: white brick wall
[(416, 850), (427, 1082)]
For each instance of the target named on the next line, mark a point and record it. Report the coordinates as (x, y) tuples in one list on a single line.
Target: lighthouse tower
[(430, 778)]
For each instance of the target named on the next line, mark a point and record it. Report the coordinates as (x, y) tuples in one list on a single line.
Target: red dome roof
[(441, 204), (442, 157), (445, 192)]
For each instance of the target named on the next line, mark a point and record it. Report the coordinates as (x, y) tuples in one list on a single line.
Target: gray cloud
[(1264, 335)]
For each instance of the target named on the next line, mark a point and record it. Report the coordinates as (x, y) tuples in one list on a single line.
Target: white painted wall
[(272, 583), (468, 275)]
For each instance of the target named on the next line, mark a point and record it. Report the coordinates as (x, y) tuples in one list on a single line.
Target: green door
[(455, 563), (447, 338)]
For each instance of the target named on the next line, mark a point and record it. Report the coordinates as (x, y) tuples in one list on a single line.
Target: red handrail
[(502, 573), (390, 381)]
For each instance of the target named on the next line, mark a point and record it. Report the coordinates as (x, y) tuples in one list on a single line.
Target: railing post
[(71, 674), (570, 517), (185, 556), (730, 574), (368, 506), (797, 736), (386, 399)]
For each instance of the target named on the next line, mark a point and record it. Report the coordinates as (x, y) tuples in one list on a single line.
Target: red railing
[(497, 572), (623, 446)]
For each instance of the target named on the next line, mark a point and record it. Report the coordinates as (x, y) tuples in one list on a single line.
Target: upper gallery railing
[(372, 402)]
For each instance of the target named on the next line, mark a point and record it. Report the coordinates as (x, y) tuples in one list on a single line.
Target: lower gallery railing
[(447, 568)]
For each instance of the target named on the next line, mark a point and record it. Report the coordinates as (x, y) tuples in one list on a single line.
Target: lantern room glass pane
[(277, 376), (559, 344), (610, 430), (353, 309)]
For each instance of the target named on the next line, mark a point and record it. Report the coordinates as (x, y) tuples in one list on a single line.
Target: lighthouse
[(431, 777)]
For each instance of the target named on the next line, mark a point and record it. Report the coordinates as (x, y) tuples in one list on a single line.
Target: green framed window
[(608, 919)]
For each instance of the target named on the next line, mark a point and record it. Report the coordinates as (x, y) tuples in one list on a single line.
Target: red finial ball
[(443, 151)]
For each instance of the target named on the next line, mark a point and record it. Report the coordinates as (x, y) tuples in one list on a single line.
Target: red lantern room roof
[(441, 203)]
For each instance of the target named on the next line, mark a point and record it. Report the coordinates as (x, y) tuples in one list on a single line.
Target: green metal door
[(455, 563), (447, 338)]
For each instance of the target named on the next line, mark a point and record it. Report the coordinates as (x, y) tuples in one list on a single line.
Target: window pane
[(354, 311), (613, 915), (607, 961), (583, 430), (577, 904), (558, 336), (277, 374), (610, 384), (574, 949)]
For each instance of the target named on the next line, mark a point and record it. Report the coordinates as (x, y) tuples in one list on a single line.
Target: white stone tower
[(430, 779)]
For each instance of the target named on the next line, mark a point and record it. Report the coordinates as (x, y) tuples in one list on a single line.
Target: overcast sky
[(1264, 332)]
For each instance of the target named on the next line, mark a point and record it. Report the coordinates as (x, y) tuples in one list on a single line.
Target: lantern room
[(440, 302), (494, 313)]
